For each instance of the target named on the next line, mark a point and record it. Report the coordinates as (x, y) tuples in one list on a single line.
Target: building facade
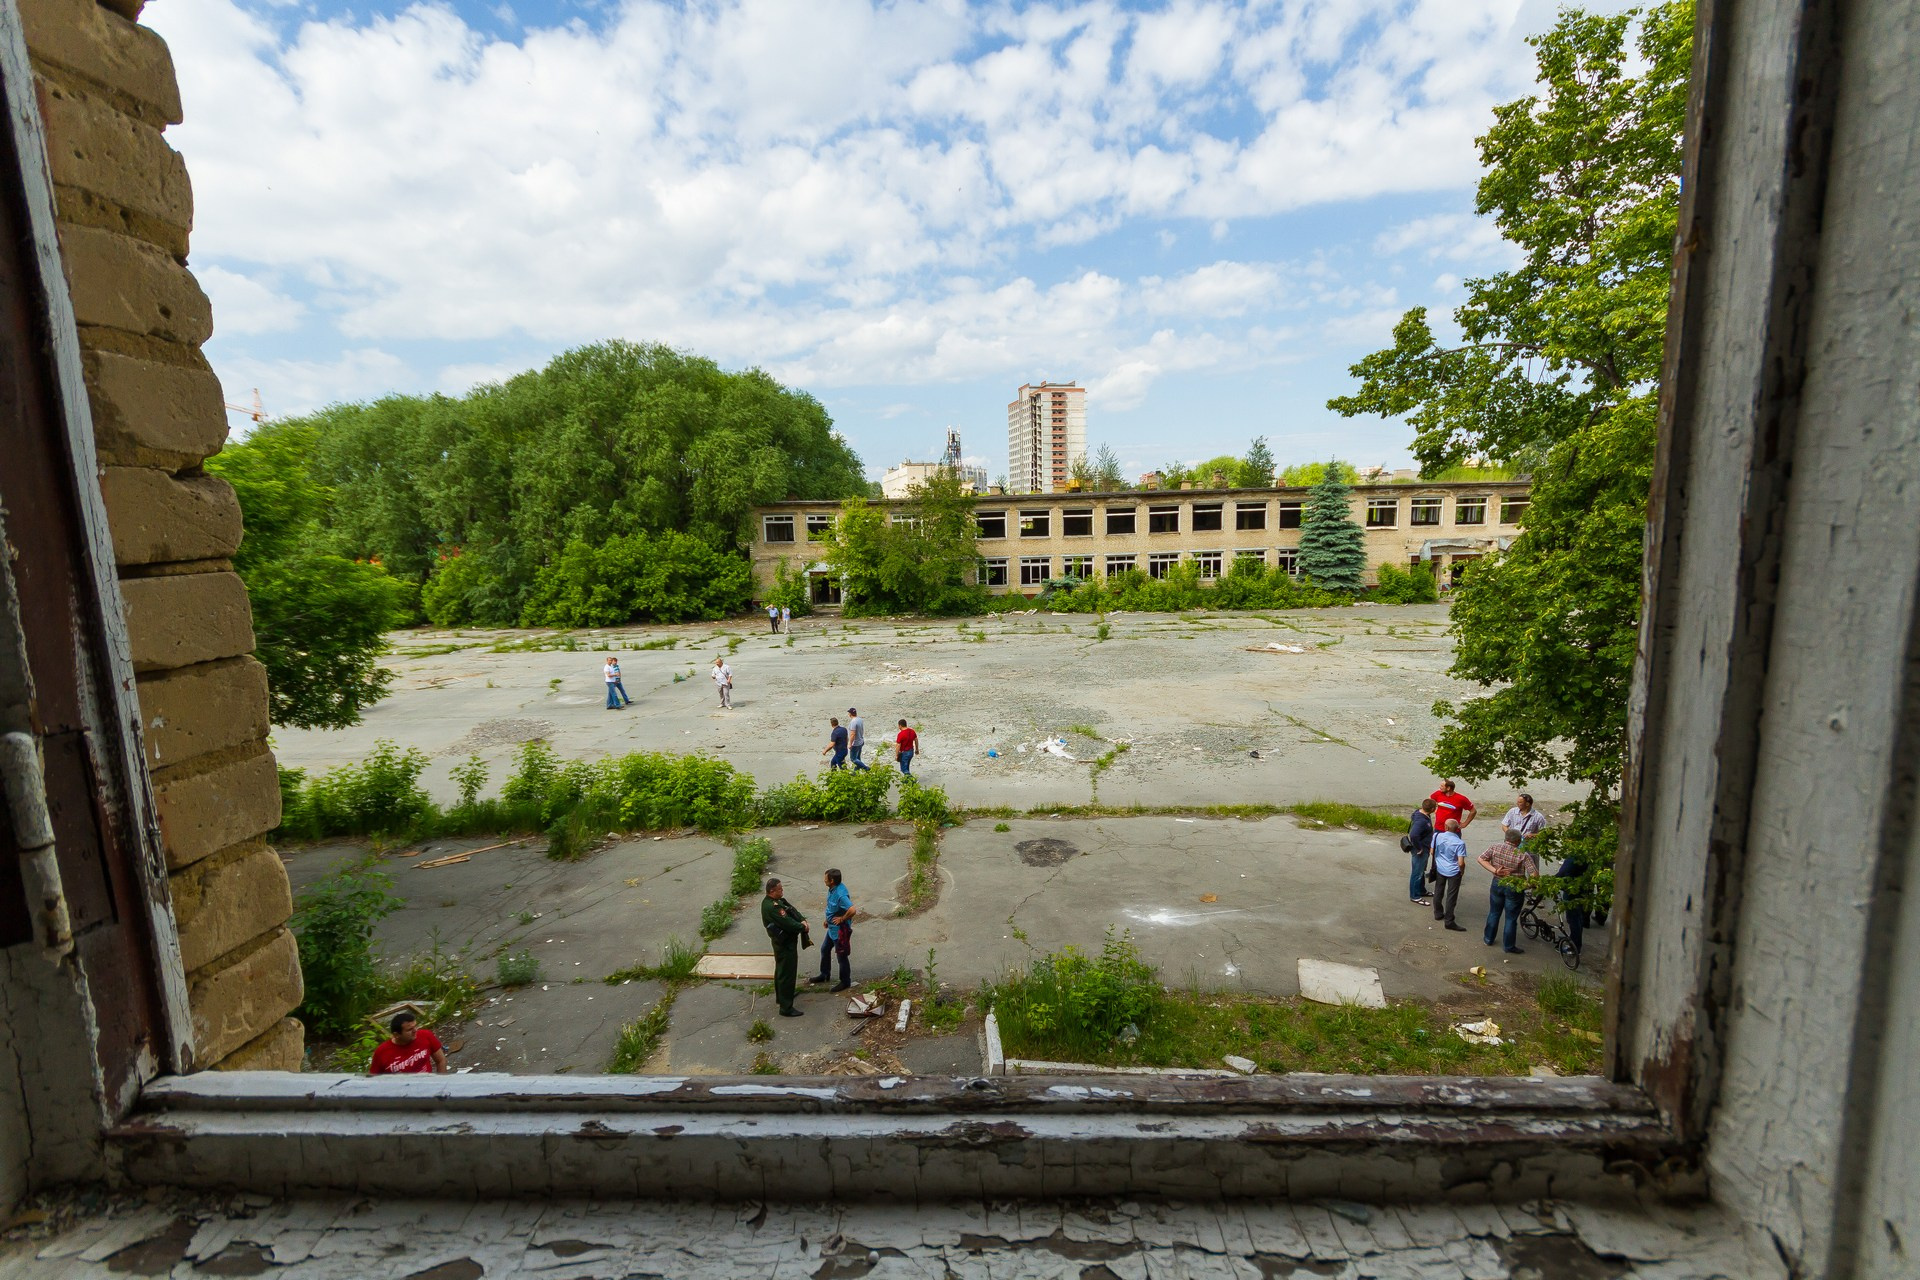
[(1028, 540), (896, 481), (1046, 432)]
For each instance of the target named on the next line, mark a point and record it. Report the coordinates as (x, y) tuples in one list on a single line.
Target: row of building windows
[(1078, 522), (1035, 571)]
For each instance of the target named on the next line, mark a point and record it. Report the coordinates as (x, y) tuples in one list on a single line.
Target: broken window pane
[(992, 524), (1250, 515), (1120, 520), (1289, 515), (1161, 563), (1383, 513), (1512, 507), (1209, 562), (993, 572), (1119, 564), (1206, 515), (1289, 561), (819, 526), (1035, 570), (1036, 524), (1077, 522), (1163, 519), (1076, 567)]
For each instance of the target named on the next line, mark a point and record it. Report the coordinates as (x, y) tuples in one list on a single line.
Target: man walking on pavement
[(1504, 860), (839, 931), (857, 738), (723, 681), (1419, 843), (616, 691), (905, 743), (787, 929), (836, 743), (786, 618), (773, 618), (1449, 864)]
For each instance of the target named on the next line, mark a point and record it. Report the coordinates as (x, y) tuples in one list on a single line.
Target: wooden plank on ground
[(758, 967)]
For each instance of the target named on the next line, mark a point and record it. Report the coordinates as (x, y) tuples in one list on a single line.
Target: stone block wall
[(107, 93)]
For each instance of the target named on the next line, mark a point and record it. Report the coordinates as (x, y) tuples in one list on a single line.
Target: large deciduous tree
[(319, 620), (926, 561), (1554, 368)]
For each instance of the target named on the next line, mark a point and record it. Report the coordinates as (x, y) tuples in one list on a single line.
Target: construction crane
[(257, 412)]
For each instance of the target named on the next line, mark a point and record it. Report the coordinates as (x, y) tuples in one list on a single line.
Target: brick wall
[(107, 92)]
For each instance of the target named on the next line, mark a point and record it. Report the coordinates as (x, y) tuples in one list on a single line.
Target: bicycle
[(1551, 929)]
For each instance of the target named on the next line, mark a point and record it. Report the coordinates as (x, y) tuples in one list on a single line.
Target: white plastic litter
[(1485, 1031), (1277, 647), (1245, 1066)]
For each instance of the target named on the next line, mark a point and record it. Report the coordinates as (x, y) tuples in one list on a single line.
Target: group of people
[(1436, 842), (846, 741), (779, 618), (789, 932)]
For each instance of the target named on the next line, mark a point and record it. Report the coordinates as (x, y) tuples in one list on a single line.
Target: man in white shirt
[(1522, 820), (856, 738), (723, 681), (616, 691), (1449, 865)]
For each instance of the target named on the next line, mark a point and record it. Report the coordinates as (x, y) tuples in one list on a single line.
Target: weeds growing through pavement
[(639, 1038), (518, 969)]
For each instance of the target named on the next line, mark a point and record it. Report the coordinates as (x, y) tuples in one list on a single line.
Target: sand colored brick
[(98, 149), (283, 1047), (194, 711), (118, 282), (158, 517), (148, 412), (182, 619), (224, 902), (203, 812), (83, 37), (238, 999)]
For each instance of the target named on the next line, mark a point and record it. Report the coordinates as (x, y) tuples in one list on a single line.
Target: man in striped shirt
[(1506, 860)]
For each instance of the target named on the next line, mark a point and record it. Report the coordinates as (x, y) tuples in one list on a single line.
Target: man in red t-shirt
[(905, 743), (1449, 803), (412, 1051)]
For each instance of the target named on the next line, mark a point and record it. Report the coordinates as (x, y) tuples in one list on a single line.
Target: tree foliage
[(922, 559), (1107, 475), (1554, 369), (1304, 475), (1256, 469), (319, 620), (609, 441), (1333, 550)]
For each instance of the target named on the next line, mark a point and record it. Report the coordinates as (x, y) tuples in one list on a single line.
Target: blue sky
[(1202, 211)]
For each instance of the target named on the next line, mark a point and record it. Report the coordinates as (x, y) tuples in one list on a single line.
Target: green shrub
[(717, 918), (470, 777), (677, 961), (920, 803), (662, 577), (379, 796), (1071, 1006), (1405, 586), (518, 969), (333, 923), (750, 861)]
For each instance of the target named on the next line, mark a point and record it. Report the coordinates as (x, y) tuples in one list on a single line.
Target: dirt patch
[(1048, 851), (500, 733), (885, 834)]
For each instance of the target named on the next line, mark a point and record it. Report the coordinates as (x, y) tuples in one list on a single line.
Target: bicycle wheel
[(1569, 954)]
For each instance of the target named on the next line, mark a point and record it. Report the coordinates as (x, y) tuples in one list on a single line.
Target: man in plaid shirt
[(1505, 860)]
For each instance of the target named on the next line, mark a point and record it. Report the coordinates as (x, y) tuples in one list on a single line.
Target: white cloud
[(246, 306), (1452, 237), (848, 192), (301, 386)]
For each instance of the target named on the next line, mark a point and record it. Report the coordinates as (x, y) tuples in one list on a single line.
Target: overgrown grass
[(1336, 814), (750, 861), (664, 642), (677, 961), (639, 1038), (518, 969), (717, 918), (923, 877)]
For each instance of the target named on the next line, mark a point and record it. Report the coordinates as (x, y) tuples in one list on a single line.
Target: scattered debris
[(1325, 982), (1274, 646), (1485, 1031), (1245, 1066), (1209, 897), (865, 1005), (447, 861), (900, 1022)]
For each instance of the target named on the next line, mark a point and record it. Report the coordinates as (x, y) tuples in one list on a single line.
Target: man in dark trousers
[(1419, 843), (788, 930)]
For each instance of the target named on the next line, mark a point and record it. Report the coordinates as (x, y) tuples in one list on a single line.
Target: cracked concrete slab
[(708, 1032), (553, 1027)]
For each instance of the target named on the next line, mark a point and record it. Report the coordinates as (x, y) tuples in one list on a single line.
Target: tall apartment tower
[(1046, 431)]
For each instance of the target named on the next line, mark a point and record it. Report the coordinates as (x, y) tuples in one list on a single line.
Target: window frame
[(1428, 504), (988, 564), (1160, 512), (1213, 564), (1214, 511), (1131, 515), (1040, 565), (1119, 562), (981, 520), (1289, 514), (1465, 502), (1074, 514), (1082, 561), (1164, 561), (1036, 522), (1241, 510), (1513, 506), (1389, 507), (767, 522), (1287, 560)]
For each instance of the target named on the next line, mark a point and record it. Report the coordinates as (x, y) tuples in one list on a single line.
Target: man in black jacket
[(788, 929), (1418, 842)]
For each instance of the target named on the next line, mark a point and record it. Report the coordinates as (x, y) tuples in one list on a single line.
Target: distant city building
[(898, 480), (1046, 432)]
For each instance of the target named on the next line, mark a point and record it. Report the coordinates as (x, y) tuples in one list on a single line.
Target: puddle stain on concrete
[(1047, 851)]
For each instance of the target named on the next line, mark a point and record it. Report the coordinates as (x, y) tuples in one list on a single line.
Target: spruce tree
[(1333, 551)]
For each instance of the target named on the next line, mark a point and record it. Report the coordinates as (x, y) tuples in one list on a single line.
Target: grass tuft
[(1337, 814), (639, 1038)]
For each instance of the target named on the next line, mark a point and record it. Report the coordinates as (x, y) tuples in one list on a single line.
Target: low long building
[(1028, 539)]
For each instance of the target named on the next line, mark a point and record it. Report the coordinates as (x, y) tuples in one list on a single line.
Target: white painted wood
[(994, 1056), (900, 1020)]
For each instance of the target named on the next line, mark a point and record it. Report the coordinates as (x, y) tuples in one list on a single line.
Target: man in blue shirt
[(1450, 865), (836, 743), (839, 931), (1419, 845)]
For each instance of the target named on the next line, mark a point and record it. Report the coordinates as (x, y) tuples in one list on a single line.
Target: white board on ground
[(735, 966), (1330, 983)]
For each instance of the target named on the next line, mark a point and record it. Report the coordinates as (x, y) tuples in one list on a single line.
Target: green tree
[(1304, 475), (923, 558), (319, 620), (1554, 371), (1106, 470), (1256, 469), (1333, 551)]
